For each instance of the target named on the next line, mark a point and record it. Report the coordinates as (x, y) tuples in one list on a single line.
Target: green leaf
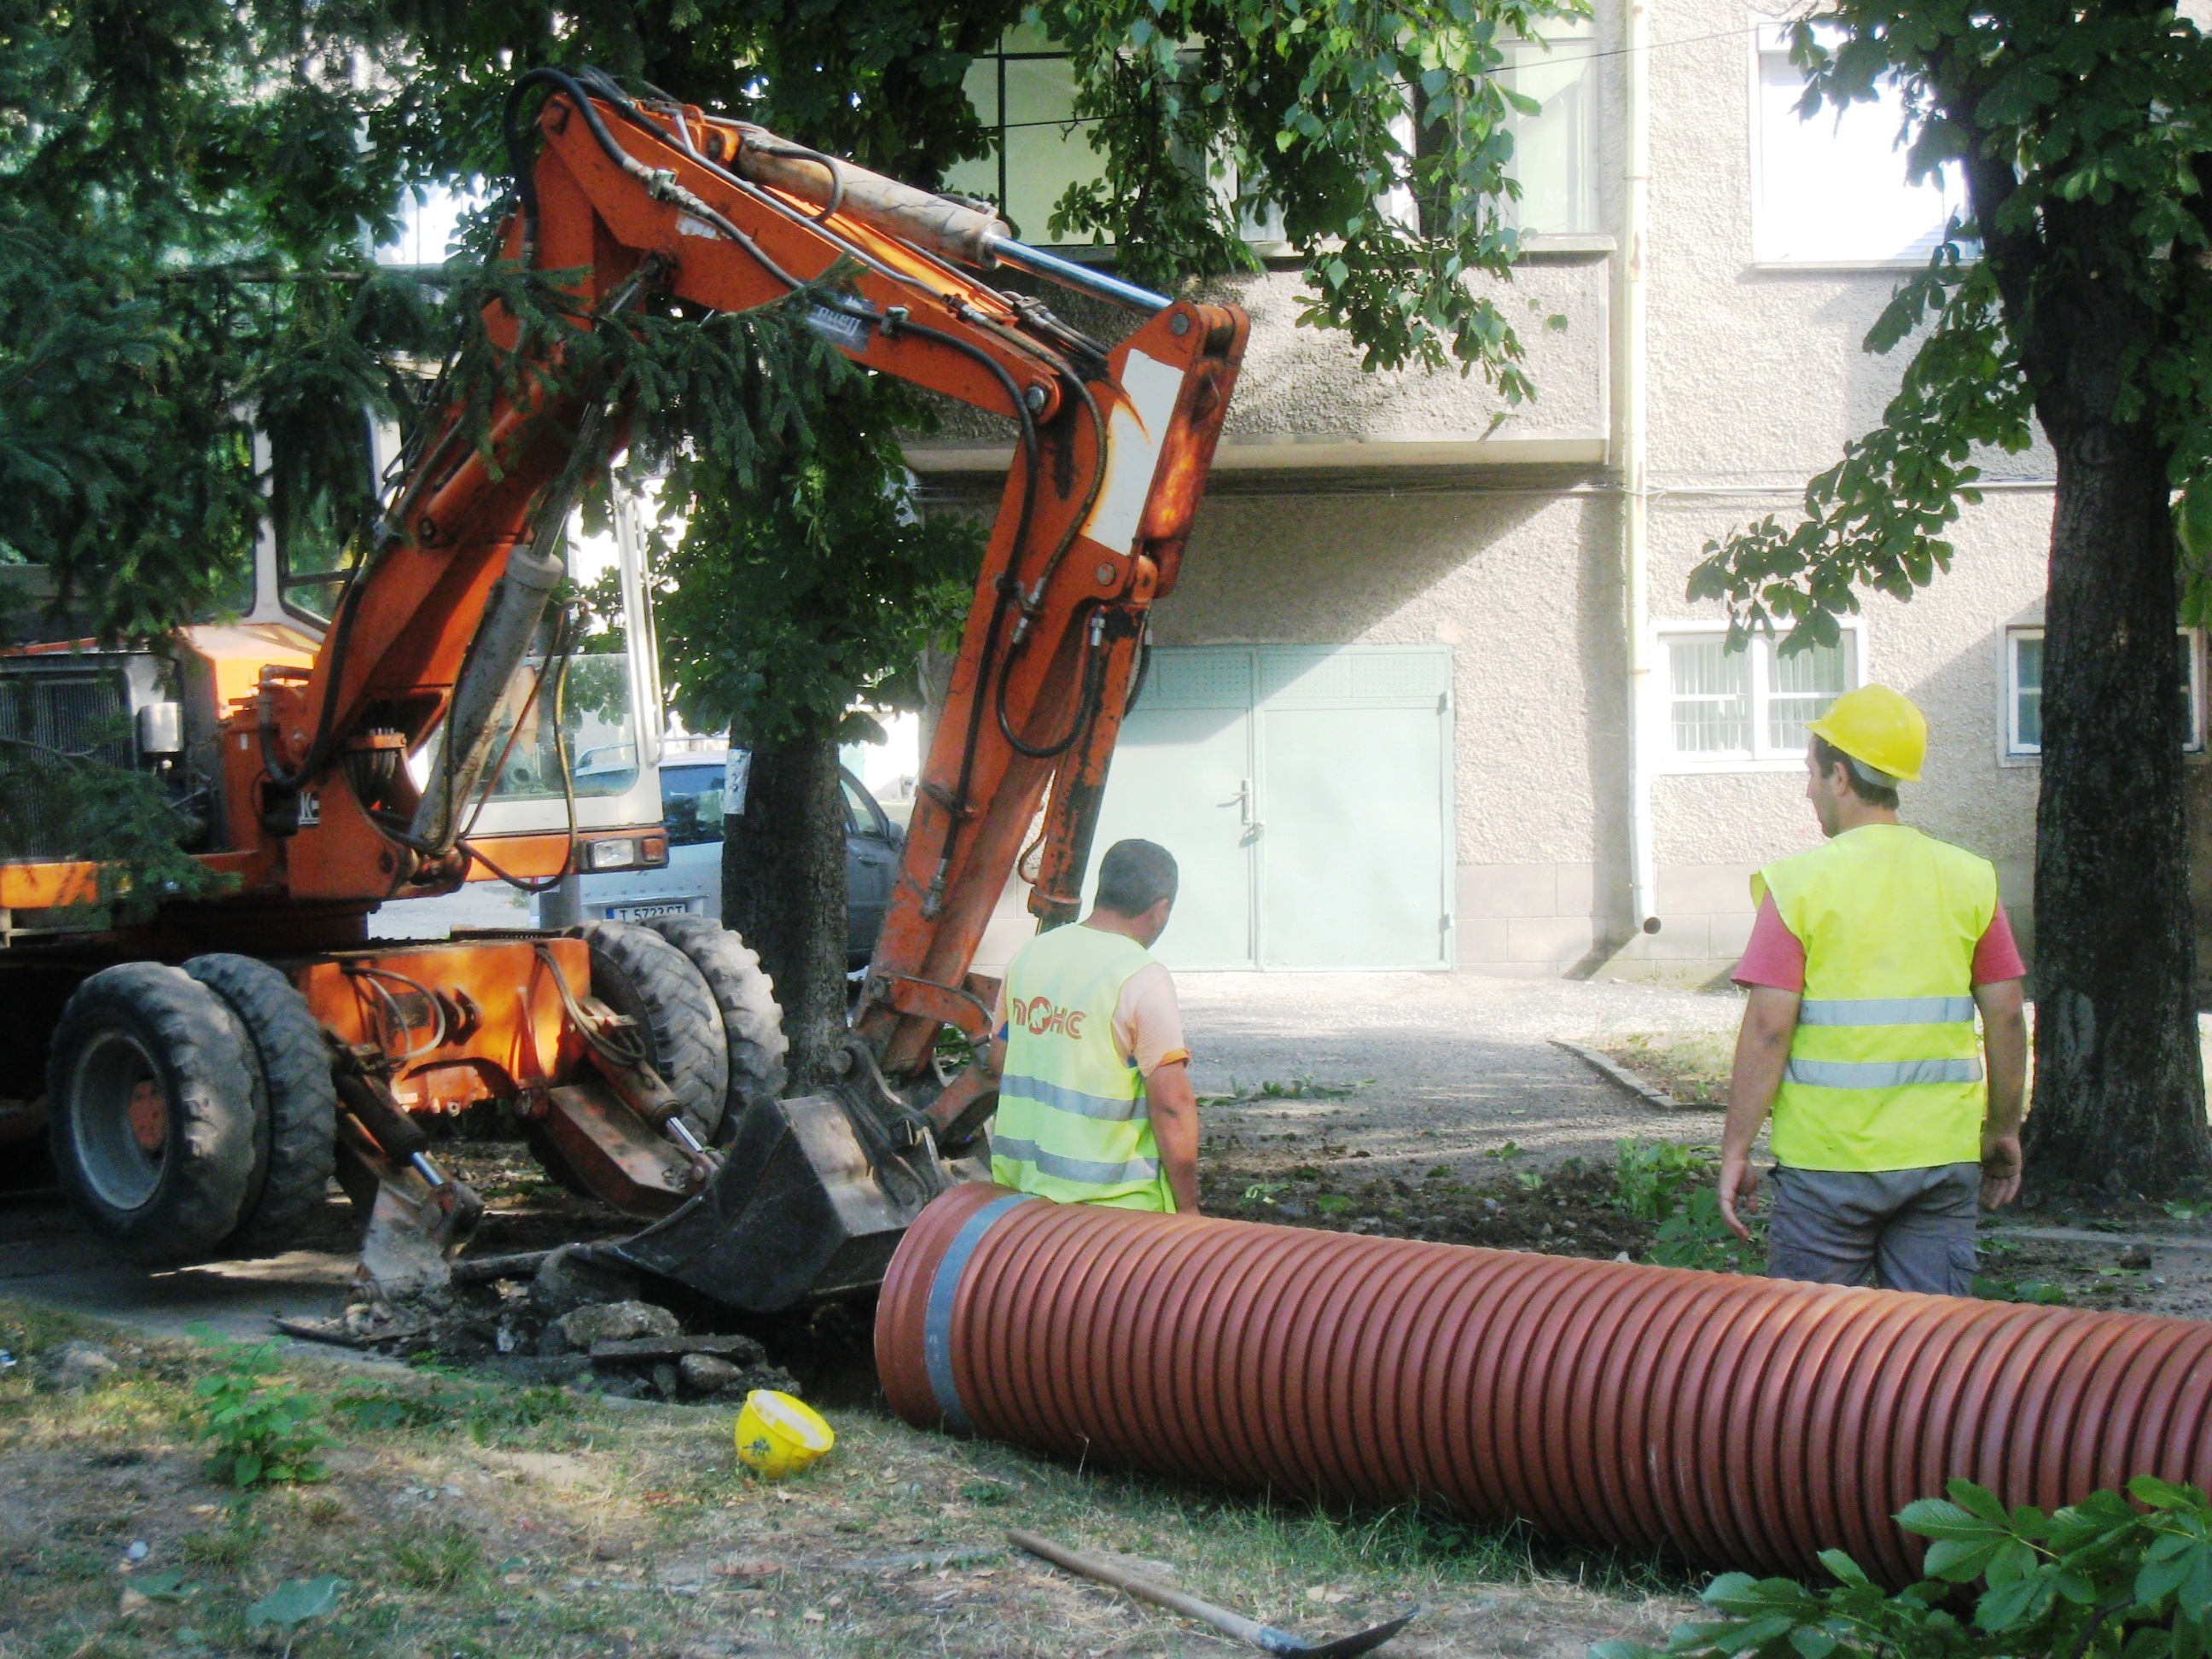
[(2000, 1610), (296, 1600), (1728, 1587), (1814, 1642), (1931, 1517), (2148, 1488), (1841, 1566), (1960, 1561), (1978, 1501), (167, 1585)]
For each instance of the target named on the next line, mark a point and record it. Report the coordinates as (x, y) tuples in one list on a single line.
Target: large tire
[(150, 1086), (299, 1138), (744, 996), (641, 975)]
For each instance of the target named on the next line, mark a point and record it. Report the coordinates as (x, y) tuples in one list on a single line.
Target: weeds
[(231, 1549), (2027, 1290), (490, 1415), (263, 1434), (441, 1561), (1297, 1088), (2101, 1576), (1665, 1182), (1696, 1236), (1650, 1177)]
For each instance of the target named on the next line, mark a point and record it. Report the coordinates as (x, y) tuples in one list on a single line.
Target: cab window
[(862, 816), (691, 803)]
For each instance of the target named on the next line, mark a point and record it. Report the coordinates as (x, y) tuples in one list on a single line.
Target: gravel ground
[(1454, 1064)]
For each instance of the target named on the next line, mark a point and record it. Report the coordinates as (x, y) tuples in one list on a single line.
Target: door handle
[(1246, 802)]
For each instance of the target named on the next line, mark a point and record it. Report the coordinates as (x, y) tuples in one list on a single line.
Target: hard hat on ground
[(1879, 728), (779, 1435)]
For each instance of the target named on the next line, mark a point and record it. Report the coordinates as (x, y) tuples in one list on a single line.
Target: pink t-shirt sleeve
[(1996, 958), (1775, 956)]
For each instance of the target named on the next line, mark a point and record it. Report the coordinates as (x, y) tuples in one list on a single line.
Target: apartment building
[(1431, 694)]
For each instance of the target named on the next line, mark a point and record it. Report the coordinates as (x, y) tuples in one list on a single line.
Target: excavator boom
[(438, 649)]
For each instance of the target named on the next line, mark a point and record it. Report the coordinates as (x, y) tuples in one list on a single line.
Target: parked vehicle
[(692, 791)]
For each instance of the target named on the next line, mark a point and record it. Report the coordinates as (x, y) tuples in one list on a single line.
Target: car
[(692, 792)]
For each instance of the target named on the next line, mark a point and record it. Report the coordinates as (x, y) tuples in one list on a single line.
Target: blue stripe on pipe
[(1880, 1074), (1886, 1011), (937, 1317), (1109, 1109)]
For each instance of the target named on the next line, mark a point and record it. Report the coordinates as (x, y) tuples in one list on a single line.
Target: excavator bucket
[(812, 1197)]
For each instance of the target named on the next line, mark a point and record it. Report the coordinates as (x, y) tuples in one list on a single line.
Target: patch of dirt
[(1566, 1209)]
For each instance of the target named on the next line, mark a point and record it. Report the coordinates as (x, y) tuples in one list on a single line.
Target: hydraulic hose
[(1749, 1423)]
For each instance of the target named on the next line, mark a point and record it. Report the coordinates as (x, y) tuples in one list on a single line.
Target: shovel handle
[(1105, 1572)]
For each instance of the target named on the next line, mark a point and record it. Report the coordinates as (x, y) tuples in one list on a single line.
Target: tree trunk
[(783, 888), (2119, 1086)]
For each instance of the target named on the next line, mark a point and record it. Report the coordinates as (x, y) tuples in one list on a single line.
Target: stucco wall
[(1517, 583), (1757, 379)]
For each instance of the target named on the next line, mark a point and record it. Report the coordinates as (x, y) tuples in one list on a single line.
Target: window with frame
[(1555, 151), (1727, 709), (1831, 190), (2023, 711), (1024, 95)]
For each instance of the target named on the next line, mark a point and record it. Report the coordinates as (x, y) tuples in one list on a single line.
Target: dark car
[(692, 791)]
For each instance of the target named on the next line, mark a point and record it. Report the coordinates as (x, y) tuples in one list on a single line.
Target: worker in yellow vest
[(1870, 959), (1095, 1098)]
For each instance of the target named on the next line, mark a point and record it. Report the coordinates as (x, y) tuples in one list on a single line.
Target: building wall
[(1356, 508)]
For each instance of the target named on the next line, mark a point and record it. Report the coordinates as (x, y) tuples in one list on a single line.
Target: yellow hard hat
[(1880, 727), (779, 1435)]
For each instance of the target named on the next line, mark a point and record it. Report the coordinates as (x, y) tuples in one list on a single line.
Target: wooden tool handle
[(1232, 1623)]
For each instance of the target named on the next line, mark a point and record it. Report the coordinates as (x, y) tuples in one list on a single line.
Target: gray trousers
[(1904, 1230)]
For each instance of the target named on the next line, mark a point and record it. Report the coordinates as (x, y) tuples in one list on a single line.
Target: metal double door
[(1305, 793)]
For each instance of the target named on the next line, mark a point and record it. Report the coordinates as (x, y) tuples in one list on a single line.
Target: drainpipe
[(1629, 278)]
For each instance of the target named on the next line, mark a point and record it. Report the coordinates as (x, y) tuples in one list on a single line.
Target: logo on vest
[(1041, 1015)]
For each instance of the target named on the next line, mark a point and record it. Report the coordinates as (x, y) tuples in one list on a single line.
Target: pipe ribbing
[(1749, 1423)]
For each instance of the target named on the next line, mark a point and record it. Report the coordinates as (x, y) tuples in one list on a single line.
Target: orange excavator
[(204, 1073)]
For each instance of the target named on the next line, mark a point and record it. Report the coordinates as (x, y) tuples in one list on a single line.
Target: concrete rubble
[(557, 1317)]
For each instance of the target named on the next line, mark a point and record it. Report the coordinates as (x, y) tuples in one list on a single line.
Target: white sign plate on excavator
[(1134, 431)]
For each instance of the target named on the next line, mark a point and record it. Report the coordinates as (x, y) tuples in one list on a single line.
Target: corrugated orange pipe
[(1749, 1423)]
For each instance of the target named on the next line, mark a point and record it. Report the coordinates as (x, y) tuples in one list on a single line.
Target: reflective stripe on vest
[(1105, 1107), (1880, 1074), (1885, 1066), (1074, 1123), (1886, 1010), (1073, 1169)]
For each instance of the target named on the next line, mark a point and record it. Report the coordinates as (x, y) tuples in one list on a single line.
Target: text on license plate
[(640, 912)]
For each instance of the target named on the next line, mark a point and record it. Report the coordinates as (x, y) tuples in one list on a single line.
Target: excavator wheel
[(752, 1023), (150, 1088), (642, 976), (298, 1127)]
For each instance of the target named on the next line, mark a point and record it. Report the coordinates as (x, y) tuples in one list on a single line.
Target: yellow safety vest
[(1885, 1069), (1074, 1121)]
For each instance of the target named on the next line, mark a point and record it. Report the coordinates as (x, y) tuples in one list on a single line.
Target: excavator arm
[(627, 200), (622, 204)]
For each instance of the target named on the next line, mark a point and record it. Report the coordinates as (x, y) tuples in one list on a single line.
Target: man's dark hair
[(1825, 755), (1134, 876)]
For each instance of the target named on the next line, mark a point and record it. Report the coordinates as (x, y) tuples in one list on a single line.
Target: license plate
[(640, 912)]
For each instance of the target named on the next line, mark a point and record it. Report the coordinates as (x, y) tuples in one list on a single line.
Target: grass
[(599, 1528), (1691, 1066)]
